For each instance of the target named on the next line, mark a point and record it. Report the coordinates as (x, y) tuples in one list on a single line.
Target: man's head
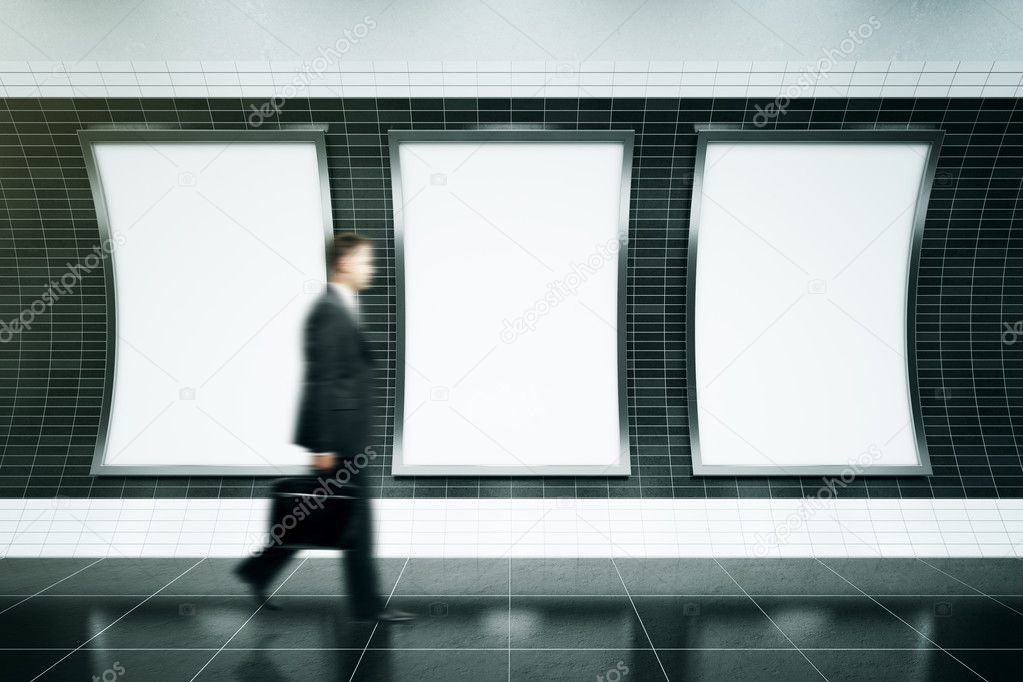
[(352, 260)]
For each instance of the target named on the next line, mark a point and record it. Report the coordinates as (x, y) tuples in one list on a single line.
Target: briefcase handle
[(277, 487)]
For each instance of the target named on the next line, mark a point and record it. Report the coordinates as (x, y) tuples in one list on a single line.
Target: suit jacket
[(335, 407)]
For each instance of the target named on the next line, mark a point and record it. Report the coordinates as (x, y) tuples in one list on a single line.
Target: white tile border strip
[(327, 78), (66, 527)]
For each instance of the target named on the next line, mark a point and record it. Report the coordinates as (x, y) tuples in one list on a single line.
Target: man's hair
[(344, 243)]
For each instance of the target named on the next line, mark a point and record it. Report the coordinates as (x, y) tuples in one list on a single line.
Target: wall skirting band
[(561, 527)]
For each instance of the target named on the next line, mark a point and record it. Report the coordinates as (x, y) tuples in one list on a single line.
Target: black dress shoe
[(385, 616), (257, 591), (394, 616)]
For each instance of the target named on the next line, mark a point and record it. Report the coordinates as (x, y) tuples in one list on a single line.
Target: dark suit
[(334, 412), (334, 416)]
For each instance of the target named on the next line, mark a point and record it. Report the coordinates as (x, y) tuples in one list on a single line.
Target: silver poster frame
[(930, 137), (129, 134), (623, 466)]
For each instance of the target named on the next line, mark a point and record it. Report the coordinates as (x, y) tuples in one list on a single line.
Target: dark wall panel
[(970, 298)]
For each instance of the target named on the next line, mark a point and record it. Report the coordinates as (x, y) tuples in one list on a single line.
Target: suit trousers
[(358, 564)]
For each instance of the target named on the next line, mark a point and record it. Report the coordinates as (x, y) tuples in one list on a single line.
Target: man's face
[(357, 266)]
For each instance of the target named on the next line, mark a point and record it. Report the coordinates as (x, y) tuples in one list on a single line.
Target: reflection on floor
[(519, 619)]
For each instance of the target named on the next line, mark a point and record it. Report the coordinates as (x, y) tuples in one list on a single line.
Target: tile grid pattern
[(177, 527), (565, 619), (970, 300), (325, 77)]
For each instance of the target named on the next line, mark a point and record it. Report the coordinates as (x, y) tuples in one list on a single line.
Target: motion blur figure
[(333, 424)]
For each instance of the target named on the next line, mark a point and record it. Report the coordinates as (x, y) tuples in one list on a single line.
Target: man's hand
[(323, 460)]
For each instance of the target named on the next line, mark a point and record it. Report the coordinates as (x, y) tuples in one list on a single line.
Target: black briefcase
[(305, 514)]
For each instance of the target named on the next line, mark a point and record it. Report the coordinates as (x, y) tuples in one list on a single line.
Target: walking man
[(333, 423)]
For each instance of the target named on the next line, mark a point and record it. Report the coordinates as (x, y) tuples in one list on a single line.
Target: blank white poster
[(511, 339), (221, 255), (803, 253)]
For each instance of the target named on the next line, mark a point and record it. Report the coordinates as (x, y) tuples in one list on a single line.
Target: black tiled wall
[(969, 300)]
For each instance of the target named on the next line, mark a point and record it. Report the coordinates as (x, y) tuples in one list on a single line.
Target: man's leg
[(359, 566), (260, 569)]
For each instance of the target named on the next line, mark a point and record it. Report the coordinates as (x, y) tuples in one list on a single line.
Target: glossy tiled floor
[(520, 619)]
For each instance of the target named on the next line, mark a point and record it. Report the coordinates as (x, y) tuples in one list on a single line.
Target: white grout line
[(56, 583), (258, 609), (640, 619), (52, 666), (377, 624), (761, 609), (981, 592), (708, 595), (518, 648), (903, 621)]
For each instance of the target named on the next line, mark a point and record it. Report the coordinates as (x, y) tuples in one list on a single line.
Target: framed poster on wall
[(217, 250), (804, 252), (511, 252)]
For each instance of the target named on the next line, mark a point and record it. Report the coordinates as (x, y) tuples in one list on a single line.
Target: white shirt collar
[(348, 297)]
